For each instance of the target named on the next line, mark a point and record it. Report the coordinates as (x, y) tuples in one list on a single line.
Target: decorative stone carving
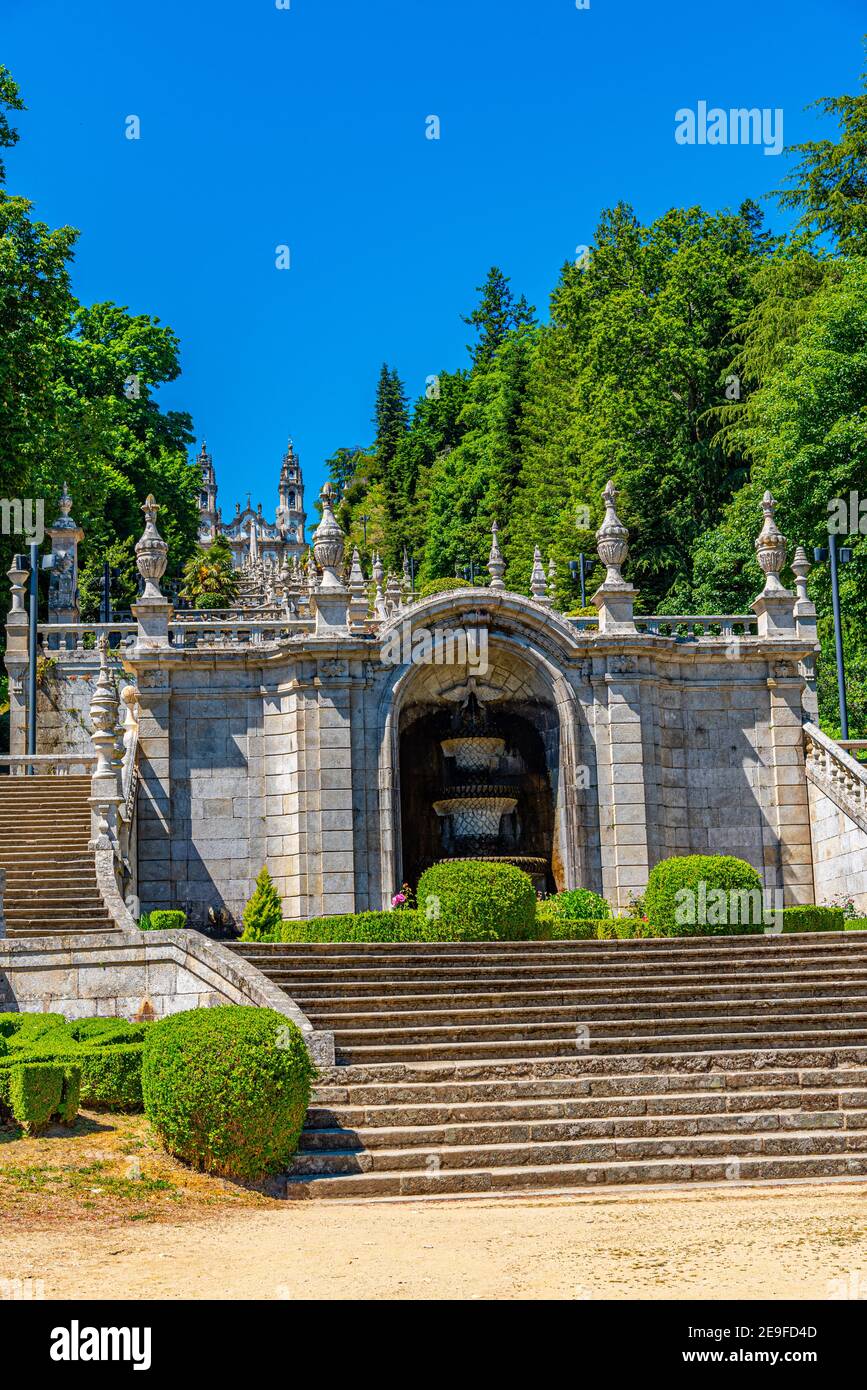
[(328, 542), (65, 536), (538, 587), (103, 710), (151, 552), (612, 539), (496, 563), (771, 548)]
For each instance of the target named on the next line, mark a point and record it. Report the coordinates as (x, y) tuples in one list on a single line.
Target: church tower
[(291, 516), (208, 515)]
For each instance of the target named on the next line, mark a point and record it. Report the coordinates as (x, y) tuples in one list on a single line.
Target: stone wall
[(120, 975), (839, 852)]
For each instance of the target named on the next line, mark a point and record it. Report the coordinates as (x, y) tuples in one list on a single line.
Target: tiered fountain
[(479, 794)]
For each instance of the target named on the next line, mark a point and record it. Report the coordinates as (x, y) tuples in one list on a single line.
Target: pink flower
[(398, 900)]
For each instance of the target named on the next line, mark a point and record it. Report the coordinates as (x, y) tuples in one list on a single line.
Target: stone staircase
[(51, 882), (503, 1067)]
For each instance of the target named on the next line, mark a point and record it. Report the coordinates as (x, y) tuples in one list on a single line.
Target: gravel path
[(795, 1242)]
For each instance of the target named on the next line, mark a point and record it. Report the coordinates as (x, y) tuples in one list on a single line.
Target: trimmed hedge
[(34, 1093), (227, 1088), (577, 903), (22, 1030), (683, 896), (405, 925), (473, 898), (163, 920), (809, 918)]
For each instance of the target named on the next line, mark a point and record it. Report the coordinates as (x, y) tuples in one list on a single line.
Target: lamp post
[(364, 520), (469, 571), (820, 554), (579, 569)]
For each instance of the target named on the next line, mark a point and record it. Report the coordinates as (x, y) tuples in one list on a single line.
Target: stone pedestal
[(622, 804), (152, 616), (775, 614), (615, 604)]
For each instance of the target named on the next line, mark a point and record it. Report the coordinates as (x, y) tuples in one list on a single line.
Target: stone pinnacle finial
[(612, 540), (496, 563), (771, 548), (151, 552), (328, 541), (538, 588), (379, 607), (65, 501)]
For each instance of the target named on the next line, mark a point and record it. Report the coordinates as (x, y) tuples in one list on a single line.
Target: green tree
[(209, 573), (496, 315), (263, 914), (828, 187)]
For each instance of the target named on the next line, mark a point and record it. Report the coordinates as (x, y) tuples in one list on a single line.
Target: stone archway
[(523, 684)]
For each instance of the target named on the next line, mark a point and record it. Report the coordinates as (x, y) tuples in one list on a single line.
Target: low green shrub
[(570, 929), (263, 914), (70, 1098), (855, 924), (577, 902), (469, 896), (809, 918), (406, 925), (163, 919), (227, 1088), (111, 1077), (704, 895)]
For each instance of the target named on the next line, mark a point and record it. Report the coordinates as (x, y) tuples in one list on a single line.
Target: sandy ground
[(103, 1213), (804, 1243)]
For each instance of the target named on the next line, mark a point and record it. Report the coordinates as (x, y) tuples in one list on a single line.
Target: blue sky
[(305, 127)]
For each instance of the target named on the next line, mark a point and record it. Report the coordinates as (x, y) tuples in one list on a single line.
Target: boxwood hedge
[(472, 898), (704, 895), (227, 1088)]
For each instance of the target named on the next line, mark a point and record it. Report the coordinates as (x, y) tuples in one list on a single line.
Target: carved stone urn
[(328, 542), (151, 553)]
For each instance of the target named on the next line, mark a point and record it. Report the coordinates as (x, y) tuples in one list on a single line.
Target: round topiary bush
[(704, 895), (474, 899), (227, 1088)]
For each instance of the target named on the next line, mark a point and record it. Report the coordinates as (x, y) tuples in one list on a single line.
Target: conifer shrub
[(263, 914), (704, 895), (469, 895), (227, 1088)]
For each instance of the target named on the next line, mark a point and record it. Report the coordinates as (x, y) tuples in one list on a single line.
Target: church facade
[(250, 535)]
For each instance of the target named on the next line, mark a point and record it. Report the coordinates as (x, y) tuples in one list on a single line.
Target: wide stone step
[(674, 946), (466, 1135), (88, 928), (553, 1015), (416, 1005), (637, 1026), (505, 1154), (509, 1084), (556, 1177), (479, 981), (728, 1106), (602, 1045)]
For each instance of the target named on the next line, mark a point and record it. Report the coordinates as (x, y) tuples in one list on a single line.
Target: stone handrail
[(837, 774)]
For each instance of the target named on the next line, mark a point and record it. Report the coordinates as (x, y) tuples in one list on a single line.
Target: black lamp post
[(364, 520), (820, 554), (579, 569), (469, 571)]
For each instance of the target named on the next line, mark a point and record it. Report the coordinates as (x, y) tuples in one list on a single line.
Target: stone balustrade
[(234, 632), (688, 627), (80, 639), (47, 764)]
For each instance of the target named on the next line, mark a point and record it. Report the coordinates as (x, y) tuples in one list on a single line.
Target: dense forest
[(697, 360)]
